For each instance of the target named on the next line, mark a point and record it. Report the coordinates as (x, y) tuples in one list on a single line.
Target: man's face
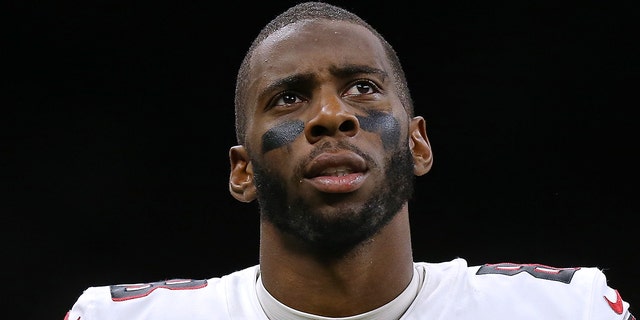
[(327, 134)]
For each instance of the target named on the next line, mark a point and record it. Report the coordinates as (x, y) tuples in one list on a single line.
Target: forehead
[(313, 46)]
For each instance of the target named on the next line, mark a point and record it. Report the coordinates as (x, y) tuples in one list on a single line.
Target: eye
[(285, 99), (362, 87)]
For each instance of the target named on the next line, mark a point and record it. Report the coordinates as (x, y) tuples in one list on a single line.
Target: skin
[(300, 132)]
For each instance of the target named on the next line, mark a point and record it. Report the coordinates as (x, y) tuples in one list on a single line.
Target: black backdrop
[(123, 117)]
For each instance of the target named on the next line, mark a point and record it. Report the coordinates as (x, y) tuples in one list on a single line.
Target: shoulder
[(175, 298), (516, 274), (510, 288)]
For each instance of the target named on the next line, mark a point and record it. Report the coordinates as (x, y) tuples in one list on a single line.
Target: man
[(328, 144)]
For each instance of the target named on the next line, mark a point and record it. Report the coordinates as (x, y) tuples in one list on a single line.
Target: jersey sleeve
[(167, 299), (222, 298), (90, 300), (547, 292), (607, 302)]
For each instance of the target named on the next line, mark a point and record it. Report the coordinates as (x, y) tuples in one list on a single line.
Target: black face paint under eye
[(383, 124), (281, 135)]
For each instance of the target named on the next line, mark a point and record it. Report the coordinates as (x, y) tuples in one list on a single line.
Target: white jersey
[(448, 290)]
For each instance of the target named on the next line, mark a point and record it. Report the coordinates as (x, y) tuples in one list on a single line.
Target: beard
[(354, 225)]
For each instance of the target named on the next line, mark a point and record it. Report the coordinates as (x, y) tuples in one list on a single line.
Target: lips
[(336, 172)]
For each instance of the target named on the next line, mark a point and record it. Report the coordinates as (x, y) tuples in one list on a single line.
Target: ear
[(241, 183), (420, 146)]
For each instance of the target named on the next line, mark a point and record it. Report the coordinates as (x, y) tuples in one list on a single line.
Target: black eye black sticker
[(383, 124), (281, 135)]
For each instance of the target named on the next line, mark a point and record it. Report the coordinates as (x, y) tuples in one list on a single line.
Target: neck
[(368, 276)]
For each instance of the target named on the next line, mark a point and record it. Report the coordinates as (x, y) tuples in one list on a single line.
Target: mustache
[(334, 146)]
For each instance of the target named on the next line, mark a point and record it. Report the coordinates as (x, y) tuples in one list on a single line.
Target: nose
[(332, 119)]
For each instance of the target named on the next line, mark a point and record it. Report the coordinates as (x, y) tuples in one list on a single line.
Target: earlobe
[(241, 183), (420, 146)]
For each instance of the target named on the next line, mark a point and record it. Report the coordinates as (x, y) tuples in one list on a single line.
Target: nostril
[(317, 131), (347, 126)]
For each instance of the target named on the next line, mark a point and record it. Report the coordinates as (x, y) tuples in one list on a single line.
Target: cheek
[(384, 125), (281, 135)]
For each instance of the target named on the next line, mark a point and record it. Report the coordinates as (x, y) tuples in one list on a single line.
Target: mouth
[(336, 172)]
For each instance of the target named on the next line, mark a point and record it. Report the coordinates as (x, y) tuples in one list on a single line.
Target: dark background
[(122, 117)]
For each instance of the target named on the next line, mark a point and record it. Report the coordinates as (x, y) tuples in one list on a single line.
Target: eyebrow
[(309, 79), (353, 69), (292, 81)]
